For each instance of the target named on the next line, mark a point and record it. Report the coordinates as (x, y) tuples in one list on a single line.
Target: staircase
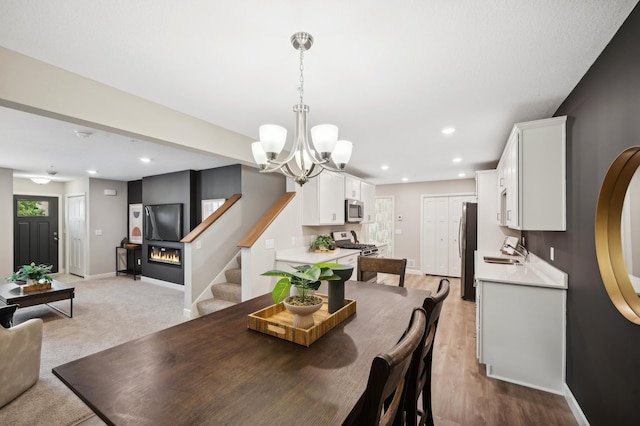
[(224, 294)]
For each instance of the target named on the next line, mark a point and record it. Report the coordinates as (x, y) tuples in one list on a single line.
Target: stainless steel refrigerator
[(468, 243)]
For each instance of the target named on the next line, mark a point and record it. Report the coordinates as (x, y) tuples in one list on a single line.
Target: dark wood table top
[(12, 293), (214, 370)]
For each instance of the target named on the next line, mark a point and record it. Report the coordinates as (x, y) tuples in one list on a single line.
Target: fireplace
[(166, 255)]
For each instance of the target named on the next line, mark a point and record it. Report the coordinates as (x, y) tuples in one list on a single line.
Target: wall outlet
[(198, 244), (98, 231), (269, 244), (551, 253), (411, 263), (398, 231)]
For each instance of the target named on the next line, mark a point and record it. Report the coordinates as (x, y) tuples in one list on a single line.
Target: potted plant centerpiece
[(305, 279), (323, 243), (37, 276)]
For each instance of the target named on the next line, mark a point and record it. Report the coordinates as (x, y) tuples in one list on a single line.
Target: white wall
[(108, 217), (6, 222), (408, 204)]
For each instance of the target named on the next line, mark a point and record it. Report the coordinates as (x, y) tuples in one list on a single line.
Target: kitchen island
[(520, 321), (302, 256)]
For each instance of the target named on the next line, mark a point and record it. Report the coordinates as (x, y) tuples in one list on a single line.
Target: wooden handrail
[(191, 236), (266, 220)]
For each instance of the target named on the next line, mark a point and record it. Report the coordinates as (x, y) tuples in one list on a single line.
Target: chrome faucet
[(521, 250)]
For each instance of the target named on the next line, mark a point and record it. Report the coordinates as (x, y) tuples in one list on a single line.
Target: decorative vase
[(302, 315), (336, 288)]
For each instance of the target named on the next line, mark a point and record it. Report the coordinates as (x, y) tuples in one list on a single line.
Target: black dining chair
[(419, 375), (383, 399), (369, 267)]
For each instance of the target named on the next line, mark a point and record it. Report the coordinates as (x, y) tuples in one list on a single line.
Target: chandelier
[(303, 162)]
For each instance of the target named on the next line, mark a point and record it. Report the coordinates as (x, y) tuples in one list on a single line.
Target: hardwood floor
[(462, 392)]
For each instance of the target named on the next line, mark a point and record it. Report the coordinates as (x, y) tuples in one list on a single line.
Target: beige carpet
[(106, 312)]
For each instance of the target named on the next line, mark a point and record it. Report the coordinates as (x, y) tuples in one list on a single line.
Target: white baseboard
[(106, 275), (162, 283), (575, 408)]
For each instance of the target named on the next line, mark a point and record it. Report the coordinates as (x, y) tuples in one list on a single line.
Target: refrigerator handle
[(460, 236)]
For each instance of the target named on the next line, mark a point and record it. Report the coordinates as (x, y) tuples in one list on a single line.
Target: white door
[(442, 236), (76, 234), (429, 236)]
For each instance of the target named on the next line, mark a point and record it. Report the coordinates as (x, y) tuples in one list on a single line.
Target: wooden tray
[(276, 321)]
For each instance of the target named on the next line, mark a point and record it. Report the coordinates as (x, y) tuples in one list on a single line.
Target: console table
[(126, 259)]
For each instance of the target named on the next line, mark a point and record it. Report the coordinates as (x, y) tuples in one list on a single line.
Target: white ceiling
[(391, 75)]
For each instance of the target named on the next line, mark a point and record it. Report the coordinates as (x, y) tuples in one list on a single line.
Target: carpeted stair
[(224, 294)]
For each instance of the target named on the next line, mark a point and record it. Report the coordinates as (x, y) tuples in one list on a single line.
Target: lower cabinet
[(351, 260), (521, 333)]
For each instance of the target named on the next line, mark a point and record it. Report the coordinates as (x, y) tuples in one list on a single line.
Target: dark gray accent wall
[(134, 192), (178, 187), (603, 348), (221, 182)]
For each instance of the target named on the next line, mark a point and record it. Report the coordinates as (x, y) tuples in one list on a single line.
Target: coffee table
[(12, 294)]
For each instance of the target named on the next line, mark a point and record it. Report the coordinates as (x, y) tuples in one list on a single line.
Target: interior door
[(35, 237), (76, 234)]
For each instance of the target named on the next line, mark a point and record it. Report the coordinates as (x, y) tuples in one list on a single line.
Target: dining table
[(214, 370)]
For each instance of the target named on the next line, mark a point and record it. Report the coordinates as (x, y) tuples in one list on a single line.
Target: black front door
[(35, 237)]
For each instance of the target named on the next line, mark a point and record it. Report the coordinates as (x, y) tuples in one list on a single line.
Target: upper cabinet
[(352, 188), (368, 193), (323, 200), (532, 177)]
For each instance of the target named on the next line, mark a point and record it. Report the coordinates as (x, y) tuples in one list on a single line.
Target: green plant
[(305, 278), (32, 272), (323, 242)]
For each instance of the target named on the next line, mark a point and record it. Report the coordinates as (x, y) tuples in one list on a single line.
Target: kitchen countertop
[(303, 255), (534, 272)]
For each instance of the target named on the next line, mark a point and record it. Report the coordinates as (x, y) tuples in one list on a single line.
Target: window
[(31, 208)]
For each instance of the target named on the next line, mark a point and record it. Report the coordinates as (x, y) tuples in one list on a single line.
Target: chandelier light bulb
[(342, 153), (324, 137), (273, 138), (259, 155)]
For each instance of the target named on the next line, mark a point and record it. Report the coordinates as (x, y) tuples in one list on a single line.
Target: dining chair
[(368, 265), (419, 374), (383, 399)]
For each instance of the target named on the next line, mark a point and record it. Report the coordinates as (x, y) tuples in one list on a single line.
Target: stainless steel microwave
[(353, 210)]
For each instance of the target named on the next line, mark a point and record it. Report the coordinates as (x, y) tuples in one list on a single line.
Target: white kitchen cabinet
[(533, 170), (323, 200), (383, 250), (520, 323), (350, 260), (368, 193), (352, 188)]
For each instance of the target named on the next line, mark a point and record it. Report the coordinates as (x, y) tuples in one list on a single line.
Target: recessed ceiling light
[(448, 130), (145, 160), (82, 134), (92, 172), (457, 160), (385, 167), (461, 174), (405, 179)]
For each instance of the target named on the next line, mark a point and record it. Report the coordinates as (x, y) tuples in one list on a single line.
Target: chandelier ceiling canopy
[(303, 161)]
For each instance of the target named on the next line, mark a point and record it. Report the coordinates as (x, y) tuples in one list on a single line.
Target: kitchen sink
[(502, 260)]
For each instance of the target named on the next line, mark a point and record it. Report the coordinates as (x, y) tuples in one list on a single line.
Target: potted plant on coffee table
[(305, 279), (37, 276)]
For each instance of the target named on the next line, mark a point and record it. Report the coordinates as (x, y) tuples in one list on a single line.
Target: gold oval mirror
[(609, 234)]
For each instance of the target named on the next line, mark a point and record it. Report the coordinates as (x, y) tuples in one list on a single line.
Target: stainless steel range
[(349, 240)]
